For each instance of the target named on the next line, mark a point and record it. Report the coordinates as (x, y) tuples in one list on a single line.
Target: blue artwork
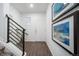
[(58, 7), (61, 32)]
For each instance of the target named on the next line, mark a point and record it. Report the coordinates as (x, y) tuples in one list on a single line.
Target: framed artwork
[(59, 9), (63, 33), (66, 31)]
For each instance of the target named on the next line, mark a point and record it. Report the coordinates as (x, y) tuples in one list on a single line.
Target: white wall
[(55, 49), (5, 8), (15, 14), (38, 26), (2, 24)]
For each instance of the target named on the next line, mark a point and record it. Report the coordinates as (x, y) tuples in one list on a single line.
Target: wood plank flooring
[(37, 49)]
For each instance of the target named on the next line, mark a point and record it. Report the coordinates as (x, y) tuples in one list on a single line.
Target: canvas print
[(61, 33), (57, 8)]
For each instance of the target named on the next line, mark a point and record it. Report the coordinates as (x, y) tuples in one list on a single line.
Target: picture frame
[(62, 9), (57, 8), (66, 32)]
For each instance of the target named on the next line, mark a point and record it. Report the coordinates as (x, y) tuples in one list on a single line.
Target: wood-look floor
[(37, 49)]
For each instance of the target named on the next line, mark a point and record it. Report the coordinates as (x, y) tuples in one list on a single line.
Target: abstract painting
[(57, 8), (65, 32), (61, 32)]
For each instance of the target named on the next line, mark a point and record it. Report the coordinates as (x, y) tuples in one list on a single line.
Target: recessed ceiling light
[(31, 5)]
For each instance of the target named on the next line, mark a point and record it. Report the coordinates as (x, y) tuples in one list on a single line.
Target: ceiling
[(25, 7)]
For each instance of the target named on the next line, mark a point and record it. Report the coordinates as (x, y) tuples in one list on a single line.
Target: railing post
[(23, 41), (7, 29)]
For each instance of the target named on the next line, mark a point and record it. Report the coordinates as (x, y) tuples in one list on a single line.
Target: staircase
[(15, 34)]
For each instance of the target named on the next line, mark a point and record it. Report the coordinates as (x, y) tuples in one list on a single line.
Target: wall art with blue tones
[(61, 32)]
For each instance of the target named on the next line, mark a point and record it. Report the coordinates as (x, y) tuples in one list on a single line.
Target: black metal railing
[(15, 34)]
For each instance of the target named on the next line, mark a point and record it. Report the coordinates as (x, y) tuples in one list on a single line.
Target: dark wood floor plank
[(37, 49)]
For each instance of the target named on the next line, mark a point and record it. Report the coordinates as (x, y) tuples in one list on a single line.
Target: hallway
[(39, 29)]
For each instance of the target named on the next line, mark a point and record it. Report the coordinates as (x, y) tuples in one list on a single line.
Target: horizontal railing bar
[(16, 26), (14, 40), (14, 22), (15, 34), (16, 44), (15, 37), (16, 30)]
